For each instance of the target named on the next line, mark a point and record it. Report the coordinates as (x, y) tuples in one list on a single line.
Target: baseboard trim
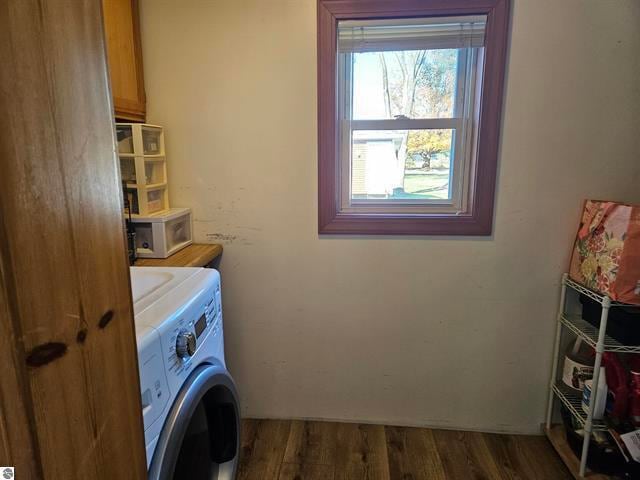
[(533, 430)]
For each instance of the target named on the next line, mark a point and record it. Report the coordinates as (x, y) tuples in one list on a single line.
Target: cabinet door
[(69, 387), (124, 53)]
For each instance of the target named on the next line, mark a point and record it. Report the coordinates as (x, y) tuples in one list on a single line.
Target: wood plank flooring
[(300, 450)]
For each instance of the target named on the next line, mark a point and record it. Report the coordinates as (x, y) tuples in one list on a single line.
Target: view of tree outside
[(419, 83), (412, 84)]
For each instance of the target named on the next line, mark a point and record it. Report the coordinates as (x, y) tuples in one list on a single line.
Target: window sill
[(384, 224)]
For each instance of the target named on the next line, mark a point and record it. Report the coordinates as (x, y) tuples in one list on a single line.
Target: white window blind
[(411, 34)]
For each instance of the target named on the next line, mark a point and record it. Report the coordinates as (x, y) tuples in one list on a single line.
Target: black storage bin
[(602, 458), (623, 323)]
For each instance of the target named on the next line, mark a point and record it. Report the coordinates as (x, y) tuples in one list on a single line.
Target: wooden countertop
[(195, 255)]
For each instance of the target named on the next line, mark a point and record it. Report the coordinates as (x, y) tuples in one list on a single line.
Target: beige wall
[(452, 332)]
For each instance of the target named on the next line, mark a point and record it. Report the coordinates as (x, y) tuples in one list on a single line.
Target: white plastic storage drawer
[(124, 134), (151, 140), (163, 234)]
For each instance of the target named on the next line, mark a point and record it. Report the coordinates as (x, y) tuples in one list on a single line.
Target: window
[(409, 115)]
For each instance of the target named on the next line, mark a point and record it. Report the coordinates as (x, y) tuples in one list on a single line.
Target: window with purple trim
[(409, 115)]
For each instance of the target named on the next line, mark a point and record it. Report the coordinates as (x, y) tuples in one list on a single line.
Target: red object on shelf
[(634, 393), (618, 386)]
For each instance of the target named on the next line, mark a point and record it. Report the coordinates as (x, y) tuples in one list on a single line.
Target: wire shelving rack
[(598, 339)]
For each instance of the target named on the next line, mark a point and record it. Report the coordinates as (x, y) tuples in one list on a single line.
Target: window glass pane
[(409, 83), (401, 164)]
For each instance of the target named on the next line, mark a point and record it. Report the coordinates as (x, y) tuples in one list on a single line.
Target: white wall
[(452, 332)]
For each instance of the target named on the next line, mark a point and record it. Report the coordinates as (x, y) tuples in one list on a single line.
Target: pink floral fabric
[(605, 257)]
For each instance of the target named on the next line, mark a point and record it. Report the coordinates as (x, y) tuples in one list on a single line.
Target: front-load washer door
[(200, 437)]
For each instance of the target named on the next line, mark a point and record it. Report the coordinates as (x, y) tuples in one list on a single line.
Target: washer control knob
[(185, 344)]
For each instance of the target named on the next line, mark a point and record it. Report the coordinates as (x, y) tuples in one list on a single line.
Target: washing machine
[(189, 400)]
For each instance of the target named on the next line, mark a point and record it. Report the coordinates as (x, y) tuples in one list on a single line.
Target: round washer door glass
[(200, 438), (210, 439)]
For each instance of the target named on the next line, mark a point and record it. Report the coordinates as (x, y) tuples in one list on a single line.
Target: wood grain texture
[(195, 255), (312, 442), (465, 455), (263, 446), (557, 437), (362, 452), (124, 54), (307, 471), (18, 445), (507, 454), (480, 220), (529, 457), (62, 253), (413, 454), (306, 450)]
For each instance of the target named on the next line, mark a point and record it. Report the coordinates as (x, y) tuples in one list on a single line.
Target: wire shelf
[(589, 334), (593, 295), (572, 399)]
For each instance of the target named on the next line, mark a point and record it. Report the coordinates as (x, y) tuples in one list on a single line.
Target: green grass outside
[(429, 185)]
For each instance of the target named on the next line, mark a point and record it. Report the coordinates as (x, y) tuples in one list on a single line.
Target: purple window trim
[(480, 220)]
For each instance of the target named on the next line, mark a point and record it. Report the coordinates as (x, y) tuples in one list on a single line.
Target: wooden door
[(69, 389), (124, 54)]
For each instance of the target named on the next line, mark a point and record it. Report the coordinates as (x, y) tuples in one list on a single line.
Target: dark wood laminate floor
[(300, 450)]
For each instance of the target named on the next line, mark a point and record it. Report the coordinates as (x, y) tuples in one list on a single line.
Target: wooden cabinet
[(69, 387), (124, 54)]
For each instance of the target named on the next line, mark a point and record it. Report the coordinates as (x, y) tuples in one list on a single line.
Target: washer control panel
[(193, 326), (186, 343)]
